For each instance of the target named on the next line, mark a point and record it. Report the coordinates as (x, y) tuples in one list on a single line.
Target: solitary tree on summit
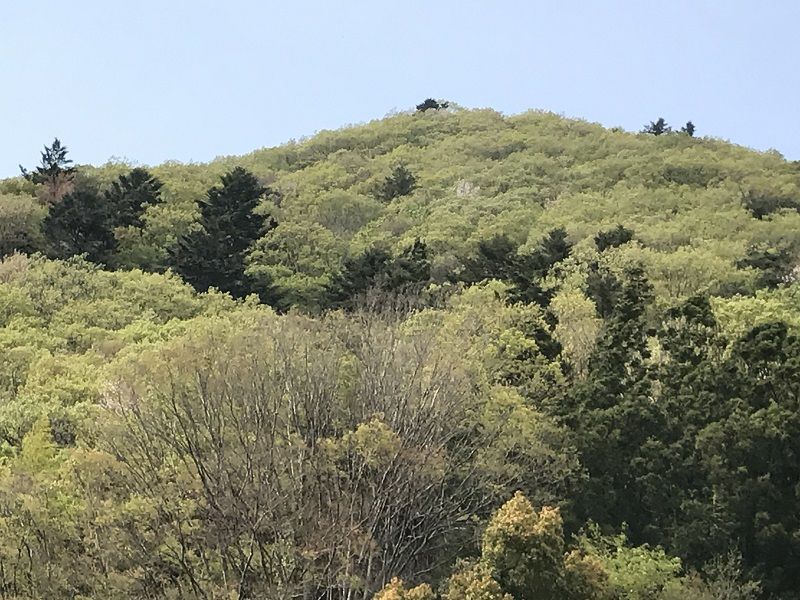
[(214, 254), (688, 129), (658, 127), (431, 104)]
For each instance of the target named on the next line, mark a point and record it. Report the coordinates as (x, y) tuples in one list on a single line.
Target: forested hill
[(701, 213), (449, 355)]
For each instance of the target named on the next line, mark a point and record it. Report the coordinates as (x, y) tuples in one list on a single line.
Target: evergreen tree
[(358, 275), (409, 270), (400, 182), (80, 223), (214, 254), (658, 127), (55, 173), (775, 265), (762, 204), (375, 269), (431, 104), (130, 195), (688, 129), (750, 453), (613, 238), (613, 414), (496, 259), (530, 269), (603, 288), (554, 248)]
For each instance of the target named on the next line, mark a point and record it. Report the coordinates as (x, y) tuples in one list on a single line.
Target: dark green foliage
[(603, 288), (763, 204), (697, 175), (375, 269), (613, 237), (752, 454), (408, 270), (613, 414), (214, 255), (55, 172), (688, 129), (19, 240), (358, 275), (554, 248), (130, 195), (54, 162), (431, 104), (401, 182), (657, 127), (696, 451), (531, 268), (496, 259), (81, 223), (775, 265)]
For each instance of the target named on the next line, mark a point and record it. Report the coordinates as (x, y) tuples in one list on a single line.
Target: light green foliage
[(739, 314), (299, 259), (637, 573), (524, 550), (578, 326), (479, 174), (395, 590), (157, 443), (20, 224)]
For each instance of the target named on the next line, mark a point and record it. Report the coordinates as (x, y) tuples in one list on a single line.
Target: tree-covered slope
[(448, 354), (695, 206)]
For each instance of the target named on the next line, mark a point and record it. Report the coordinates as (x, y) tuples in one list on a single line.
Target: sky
[(191, 80)]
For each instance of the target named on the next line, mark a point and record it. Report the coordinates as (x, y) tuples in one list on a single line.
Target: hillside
[(479, 174), (499, 357)]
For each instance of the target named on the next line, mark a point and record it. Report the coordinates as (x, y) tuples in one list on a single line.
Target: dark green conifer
[(80, 224), (55, 173), (375, 269), (657, 127), (613, 238), (130, 195), (214, 254), (431, 104), (400, 182)]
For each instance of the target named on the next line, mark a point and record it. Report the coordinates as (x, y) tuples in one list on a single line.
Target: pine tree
[(80, 223), (431, 104), (613, 238), (400, 182), (214, 254), (130, 195), (375, 269), (55, 173), (658, 127), (688, 129), (358, 275), (408, 270), (530, 269), (496, 259)]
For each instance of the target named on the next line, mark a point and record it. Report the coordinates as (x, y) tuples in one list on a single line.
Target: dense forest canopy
[(448, 354)]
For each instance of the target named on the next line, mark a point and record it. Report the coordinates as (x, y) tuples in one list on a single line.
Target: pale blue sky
[(193, 79)]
